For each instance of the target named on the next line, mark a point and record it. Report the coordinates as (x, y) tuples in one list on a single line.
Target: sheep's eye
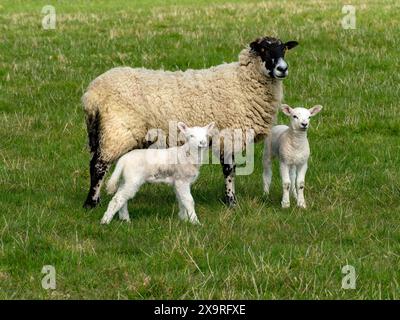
[(295, 117), (192, 135)]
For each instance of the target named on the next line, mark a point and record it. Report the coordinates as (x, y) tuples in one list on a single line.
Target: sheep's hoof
[(230, 201), (232, 204), (90, 203)]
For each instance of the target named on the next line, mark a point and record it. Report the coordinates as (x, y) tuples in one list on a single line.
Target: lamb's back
[(276, 137)]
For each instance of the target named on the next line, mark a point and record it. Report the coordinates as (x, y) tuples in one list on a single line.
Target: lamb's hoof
[(195, 222), (90, 203), (128, 220), (302, 204), (285, 205), (183, 216), (105, 220)]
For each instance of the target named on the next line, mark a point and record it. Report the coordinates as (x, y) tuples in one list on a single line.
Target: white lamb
[(290, 145), (177, 166)]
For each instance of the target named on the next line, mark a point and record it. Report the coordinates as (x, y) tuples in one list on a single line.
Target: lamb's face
[(196, 137), (300, 117), (272, 53)]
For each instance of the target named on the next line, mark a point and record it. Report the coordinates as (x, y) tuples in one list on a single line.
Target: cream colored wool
[(132, 101)]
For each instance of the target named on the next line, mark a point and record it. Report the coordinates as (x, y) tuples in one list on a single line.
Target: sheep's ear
[(286, 109), (182, 126), (291, 44), (256, 45), (314, 110), (210, 126)]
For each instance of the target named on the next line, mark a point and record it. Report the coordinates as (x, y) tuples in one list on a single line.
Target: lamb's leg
[(284, 169), (292, 173), (116, 203), (301, 174), (267, 163), (125, 192), (186, 202), (229, 170), (124, 213), (183, 215), (98, 169)]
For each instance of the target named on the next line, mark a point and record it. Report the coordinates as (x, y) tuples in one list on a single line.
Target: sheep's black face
[(272, 53)]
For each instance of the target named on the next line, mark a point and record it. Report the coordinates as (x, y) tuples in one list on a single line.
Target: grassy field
[(256, 251)]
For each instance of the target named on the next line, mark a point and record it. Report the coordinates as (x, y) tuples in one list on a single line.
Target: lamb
[(177, 166), (290, 145), (123, 104)]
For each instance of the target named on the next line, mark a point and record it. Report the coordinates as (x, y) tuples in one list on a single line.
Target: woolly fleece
[(130, 101)]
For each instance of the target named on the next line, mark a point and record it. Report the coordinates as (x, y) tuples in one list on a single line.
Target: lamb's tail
[(112, 183)]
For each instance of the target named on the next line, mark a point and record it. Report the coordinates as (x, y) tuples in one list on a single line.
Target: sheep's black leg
[(229, 175), (98, 169)]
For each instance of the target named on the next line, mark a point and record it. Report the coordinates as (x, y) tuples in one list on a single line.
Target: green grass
[(257, 250)]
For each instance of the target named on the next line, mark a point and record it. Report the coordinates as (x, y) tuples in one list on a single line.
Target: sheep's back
[(194, 96), (140, 99)]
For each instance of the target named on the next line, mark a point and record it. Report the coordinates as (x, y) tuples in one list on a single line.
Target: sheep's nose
[(282, 68), (304, 125)]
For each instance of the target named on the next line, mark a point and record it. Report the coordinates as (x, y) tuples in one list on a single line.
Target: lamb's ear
[(314, 110), (286, 109), (182, 126), (291, 44), (210, 126)]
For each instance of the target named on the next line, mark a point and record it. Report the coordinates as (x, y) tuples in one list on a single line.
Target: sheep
[(290, 145), (177, 166), (124, 103)]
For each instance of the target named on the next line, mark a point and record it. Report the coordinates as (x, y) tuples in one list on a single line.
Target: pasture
[(256, 251)]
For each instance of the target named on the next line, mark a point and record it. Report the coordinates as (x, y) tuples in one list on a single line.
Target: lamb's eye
[(295, 117), (192, 136)]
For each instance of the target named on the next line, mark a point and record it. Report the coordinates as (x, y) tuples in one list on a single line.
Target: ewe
[(290, 145), (177, 166), (123, 104)]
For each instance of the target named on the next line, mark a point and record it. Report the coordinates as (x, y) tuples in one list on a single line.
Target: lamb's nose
[(304, 124), (282, 69)]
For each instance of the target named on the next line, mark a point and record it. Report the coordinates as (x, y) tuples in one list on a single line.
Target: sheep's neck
[(263, 92)]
